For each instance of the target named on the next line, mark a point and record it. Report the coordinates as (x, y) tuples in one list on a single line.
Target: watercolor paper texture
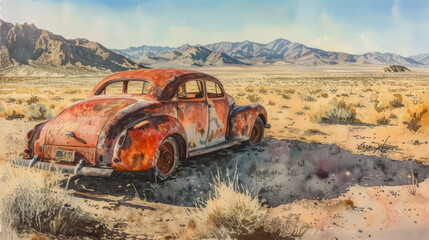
[(214, 119)]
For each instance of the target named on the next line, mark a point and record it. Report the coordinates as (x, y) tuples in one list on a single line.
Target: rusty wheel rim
[(256, 134), (166, 158)]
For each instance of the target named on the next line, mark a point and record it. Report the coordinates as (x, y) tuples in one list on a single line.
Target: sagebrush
[(230, 211)]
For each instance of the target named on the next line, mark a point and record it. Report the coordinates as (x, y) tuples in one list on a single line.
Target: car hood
[(80, 124)]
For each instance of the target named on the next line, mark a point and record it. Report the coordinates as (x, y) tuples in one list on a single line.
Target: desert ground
[(345, 159)]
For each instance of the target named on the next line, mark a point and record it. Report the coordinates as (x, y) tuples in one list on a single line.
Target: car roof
[(160, 78)]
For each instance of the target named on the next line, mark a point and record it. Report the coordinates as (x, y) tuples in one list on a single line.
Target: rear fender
[(140, 149), (242, 119), (31, 144)]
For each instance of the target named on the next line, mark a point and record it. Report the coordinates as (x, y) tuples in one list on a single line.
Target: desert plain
[(364, 115)]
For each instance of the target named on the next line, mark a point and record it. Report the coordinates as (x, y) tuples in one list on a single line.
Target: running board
[(217, 147)]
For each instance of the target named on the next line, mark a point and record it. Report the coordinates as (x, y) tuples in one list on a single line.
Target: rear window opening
[(125, 87)]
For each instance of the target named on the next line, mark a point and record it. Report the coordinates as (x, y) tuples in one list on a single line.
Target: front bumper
[(79, 169)]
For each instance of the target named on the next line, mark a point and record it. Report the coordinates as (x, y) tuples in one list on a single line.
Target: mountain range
[(25, 44), (249, 53)]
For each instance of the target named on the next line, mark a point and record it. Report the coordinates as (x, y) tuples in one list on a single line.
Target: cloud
[(395, 9)]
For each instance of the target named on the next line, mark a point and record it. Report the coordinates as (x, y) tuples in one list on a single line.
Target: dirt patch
[(282, 171)]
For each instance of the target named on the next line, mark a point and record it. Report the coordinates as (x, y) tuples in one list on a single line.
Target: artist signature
[(381, 147)]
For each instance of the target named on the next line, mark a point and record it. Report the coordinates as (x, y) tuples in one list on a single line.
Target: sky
[(352, 26)]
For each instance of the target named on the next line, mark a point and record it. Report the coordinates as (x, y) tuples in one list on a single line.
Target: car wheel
[(257, 132), (168, 158)]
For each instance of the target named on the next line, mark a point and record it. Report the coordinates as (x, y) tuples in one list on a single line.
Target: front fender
[(140, 149), (242, 119)]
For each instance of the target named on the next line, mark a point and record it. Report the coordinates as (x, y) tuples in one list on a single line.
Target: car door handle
[(210, 105), (180, 107)]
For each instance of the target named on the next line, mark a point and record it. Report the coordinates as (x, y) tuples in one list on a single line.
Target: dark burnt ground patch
[(281, 171)]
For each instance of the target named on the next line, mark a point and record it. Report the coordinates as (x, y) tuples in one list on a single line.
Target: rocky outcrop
[(395, 68), (25, 44)]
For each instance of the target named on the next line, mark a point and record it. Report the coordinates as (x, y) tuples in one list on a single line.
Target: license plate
[(65, 155)]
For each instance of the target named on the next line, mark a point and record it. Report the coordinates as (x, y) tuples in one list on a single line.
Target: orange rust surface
[(85, 120), (158, 77), (85, 153), (194, 119), (141, 148), (218, 120), (243, 120), (93, 126)]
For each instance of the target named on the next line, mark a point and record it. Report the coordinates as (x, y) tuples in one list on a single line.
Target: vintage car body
[(156, 118)]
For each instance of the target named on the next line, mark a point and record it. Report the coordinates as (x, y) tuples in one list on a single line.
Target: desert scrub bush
[(340, 112), (309, 99), (32, 100), (414, 123), (324, 95), (14, 115), (250, 88), (359, 105), (229, 212), (383, 121), (262, 90), (57, 98), (397, 101), (380, 108), (289, 91), (311, 132), (11, 100), (76, 99), (286, 96), (39, 112), (32, 200), (71, 91), (271, 103), (253, 98)]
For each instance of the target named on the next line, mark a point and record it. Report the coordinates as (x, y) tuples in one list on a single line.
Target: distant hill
[(191, 56), (282, 50), (25, 44), (134, 53), (422, 58), (395, 68)]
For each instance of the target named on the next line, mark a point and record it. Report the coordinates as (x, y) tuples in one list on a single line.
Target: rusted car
[(143, 119)]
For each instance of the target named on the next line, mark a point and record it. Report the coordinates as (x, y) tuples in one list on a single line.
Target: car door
[(218, 112), (192, 112)]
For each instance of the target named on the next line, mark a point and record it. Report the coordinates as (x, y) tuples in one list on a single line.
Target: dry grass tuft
[(383, 121), (230, 211), (287, 227), (32, 100), (414, 123), (32, 201), (15, 115), (397, 101), (340, 112), (253, 98), (413, 184)]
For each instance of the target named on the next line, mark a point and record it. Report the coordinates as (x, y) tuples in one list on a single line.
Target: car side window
[(138, 87), (190, 90), (114, 88), (213, 89)]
